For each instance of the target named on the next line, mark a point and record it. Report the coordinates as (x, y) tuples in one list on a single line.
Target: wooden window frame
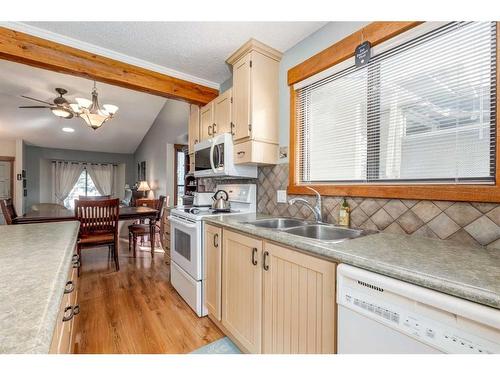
[(376, 33)]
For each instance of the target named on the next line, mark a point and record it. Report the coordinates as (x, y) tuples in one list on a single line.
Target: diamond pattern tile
[(426, 210), (395, 208), (369, 206), (494, 215), (443, 226), (382, 219), (463, 213), (394, 228), (410, 222), (483, 230)]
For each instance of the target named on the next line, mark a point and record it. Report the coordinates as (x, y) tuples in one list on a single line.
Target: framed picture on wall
[(143, 171)]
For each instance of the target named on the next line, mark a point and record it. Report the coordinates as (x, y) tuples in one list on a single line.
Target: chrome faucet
[(316, 209)]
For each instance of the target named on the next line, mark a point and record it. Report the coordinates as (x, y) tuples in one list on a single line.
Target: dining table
[(56, 214)]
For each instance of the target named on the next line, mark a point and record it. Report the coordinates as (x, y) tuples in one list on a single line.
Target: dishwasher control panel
[(444, 337)]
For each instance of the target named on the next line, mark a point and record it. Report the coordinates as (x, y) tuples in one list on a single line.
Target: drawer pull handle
[(216, 240), (254, 258), (241, 152), (232, 127), (70, 286), (264, 263), (209, 129), (67, 317), (73, 310), (214, 128)]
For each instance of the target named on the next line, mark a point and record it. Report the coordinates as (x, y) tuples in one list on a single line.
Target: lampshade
[(143, 186), (61, 112), (110, 108)]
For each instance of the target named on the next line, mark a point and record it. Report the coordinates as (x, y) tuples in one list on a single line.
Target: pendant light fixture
[(90, 111)]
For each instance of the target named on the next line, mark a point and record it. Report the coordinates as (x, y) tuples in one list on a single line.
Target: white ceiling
[(198, 49), (40, 127)]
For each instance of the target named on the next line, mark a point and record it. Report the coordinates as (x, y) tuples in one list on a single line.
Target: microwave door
[(202, 160), (218, 157)]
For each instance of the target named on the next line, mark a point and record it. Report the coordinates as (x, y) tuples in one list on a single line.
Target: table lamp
[(144, 187)]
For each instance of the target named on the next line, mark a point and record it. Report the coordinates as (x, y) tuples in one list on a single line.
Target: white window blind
[(423, 111)]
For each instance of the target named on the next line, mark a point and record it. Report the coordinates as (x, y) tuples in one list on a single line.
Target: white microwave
[(214, 158)]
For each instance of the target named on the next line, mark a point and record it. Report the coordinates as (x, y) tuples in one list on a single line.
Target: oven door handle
[(181, 222), (212, 148)]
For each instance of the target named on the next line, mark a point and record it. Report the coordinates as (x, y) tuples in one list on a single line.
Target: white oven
[(185, 237), (186, 269), (213, 157)]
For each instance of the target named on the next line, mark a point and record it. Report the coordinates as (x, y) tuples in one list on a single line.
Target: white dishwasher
[(379, 314)]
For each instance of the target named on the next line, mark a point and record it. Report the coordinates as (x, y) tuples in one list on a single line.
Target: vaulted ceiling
[(195, 51)]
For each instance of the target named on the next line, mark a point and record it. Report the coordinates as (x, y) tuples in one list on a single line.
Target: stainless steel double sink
[(318, 231)]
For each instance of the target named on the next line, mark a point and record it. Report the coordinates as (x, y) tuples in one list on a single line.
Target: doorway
[(6, 180)]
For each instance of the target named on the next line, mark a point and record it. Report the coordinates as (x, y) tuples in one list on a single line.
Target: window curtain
[(66, 175), (103, 176)]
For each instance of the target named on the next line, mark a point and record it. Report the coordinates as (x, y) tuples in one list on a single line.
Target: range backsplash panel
[(468, 223)]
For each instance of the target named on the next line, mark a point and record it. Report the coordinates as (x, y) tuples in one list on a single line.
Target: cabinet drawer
[(255, 152), (243, 153)]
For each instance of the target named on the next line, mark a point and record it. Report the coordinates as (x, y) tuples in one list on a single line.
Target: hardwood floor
[(134, 310)]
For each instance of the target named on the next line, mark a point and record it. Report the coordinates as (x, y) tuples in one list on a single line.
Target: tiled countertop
[(34, 265), (472, 273)]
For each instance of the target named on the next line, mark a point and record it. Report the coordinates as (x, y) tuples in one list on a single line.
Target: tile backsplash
[(469, 223)]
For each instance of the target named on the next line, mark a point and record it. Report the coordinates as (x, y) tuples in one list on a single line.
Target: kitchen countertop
[(472, 273), (34, 265)]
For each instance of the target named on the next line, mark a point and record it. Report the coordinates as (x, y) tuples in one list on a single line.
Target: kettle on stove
[(221, 201)]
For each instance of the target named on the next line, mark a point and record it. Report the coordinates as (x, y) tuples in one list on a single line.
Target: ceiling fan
[(60, 107), (88, 110)]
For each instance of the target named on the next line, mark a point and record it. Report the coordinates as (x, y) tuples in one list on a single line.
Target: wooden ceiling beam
[(41, 53)]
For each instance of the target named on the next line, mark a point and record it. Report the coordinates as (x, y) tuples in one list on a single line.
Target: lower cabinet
[(299, 302), (274, 299), (242, 289), (62, 338), (212, 269)]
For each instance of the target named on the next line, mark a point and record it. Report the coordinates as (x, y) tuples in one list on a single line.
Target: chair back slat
[(97, 198), (8, 210), (97, 215)]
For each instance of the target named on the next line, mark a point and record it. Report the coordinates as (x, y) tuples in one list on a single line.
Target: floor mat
[(221, 346)]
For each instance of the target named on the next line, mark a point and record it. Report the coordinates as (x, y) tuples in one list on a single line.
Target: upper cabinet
[(249, 111), (194, 126), (255, 102), (207, 121), (223, 113)]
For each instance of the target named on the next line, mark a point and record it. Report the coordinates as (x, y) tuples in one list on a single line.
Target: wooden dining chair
[(141, 229), (98, 226), (8, 211)]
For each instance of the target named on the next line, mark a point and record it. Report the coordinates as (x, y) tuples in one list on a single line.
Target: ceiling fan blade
[(34, 106), (36, 100)]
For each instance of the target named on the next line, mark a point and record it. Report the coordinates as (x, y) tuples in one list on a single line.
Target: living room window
[(84, 186), (421, 111)]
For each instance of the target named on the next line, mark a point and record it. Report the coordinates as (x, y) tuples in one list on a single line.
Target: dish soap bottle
[(345, 214)]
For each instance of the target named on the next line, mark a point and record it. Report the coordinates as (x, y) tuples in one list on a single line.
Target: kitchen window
[(421, 112)]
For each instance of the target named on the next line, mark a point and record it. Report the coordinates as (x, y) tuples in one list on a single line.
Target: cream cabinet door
[(193, 126), (206, 121), (212, 271), (299, 302), (242, 289), (241, 98), (222, 113)]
